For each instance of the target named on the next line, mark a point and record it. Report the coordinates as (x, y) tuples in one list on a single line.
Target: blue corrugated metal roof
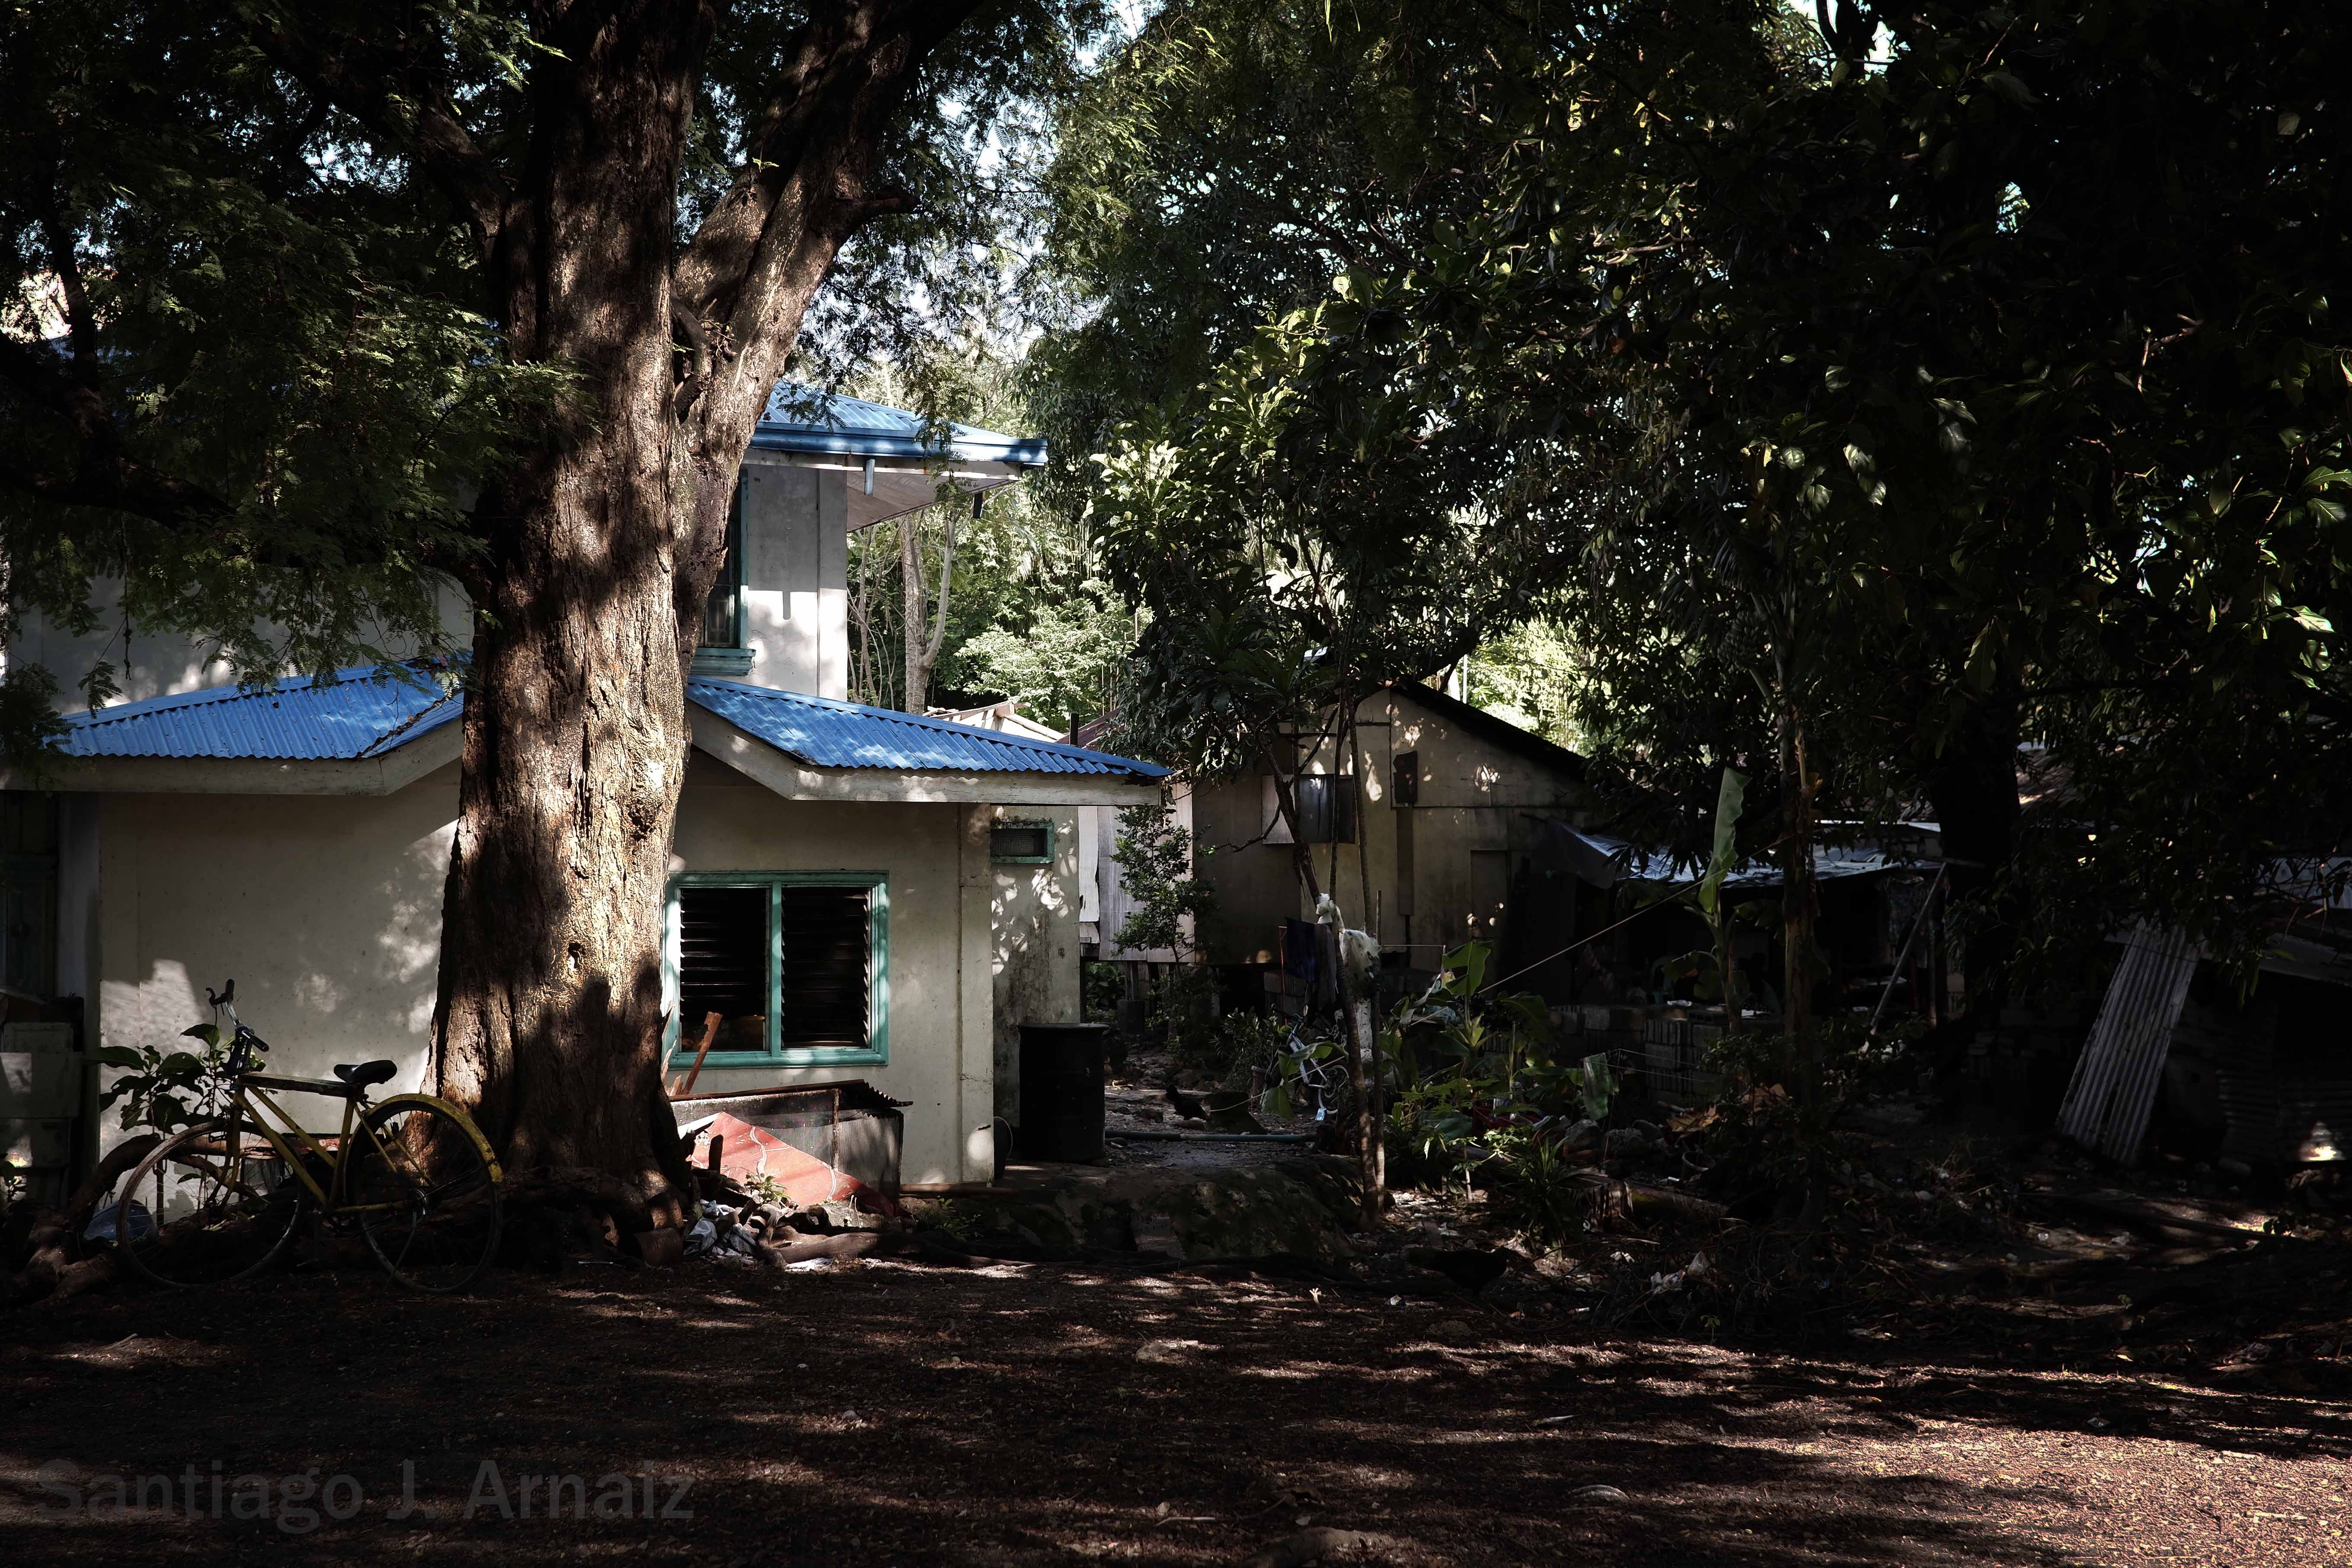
[(356, 715), (824, 733), (808, 419), (359, 715)]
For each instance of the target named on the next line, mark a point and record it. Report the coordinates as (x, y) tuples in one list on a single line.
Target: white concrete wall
[(1034, 951), (795, 575), (795, 609), (939, 1046), (147, 664), (326, 910)]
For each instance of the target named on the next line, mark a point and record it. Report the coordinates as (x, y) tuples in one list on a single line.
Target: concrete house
[(859, 893)]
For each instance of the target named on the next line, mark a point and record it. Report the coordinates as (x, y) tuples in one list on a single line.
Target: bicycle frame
[(244, 1095), (245, 1091), (248, 1096)]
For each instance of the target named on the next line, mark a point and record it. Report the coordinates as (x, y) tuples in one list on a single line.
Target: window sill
[(723, 661), (682, 1061)]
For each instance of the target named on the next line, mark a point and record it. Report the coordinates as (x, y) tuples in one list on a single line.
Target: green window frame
[(1024, 825), (876, 1049), (722, 650)]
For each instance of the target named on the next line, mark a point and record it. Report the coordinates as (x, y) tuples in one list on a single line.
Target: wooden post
[(710, 1022)]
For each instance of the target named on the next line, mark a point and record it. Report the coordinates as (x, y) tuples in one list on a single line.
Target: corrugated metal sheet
[(1634, 863), (802, 418), (828, 734), (2114, 1088), (298, 719), (359, 716)]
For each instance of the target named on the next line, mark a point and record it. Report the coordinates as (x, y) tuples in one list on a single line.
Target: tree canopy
[(1981, 391)]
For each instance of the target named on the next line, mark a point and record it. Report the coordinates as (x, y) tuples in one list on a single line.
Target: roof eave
[(793, 778), (378, 774), (1027, 454)]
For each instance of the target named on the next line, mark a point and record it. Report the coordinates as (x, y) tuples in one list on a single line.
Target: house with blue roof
[(856, 893)]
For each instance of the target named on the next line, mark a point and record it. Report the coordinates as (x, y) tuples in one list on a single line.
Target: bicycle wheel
[(424, 1195), (204, 1209)]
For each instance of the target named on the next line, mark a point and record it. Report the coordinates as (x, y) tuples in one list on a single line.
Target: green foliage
[(1530, 675), (1101, 988), (1222, 165), (1465, 1062), (164, 1091), (1815, 397), (1756, 1133), (1851, 401), (1028, 615), (1180, 1005), (960, 1218), (255, 367), (764, 1188), (1222, 176), (1156, 870), (1292, 1082), (236, 385), (1538, 1188)]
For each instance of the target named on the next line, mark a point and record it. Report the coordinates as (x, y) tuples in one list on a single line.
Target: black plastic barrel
[(1062, 1091)]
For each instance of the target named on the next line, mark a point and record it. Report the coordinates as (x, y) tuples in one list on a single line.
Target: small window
[(722, 612), (1404, 779), (1021, 843), (1327, 808), (1274, 827), (795, 964)]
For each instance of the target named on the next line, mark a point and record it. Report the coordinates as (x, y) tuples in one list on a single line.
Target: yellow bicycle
[(222, 1199)]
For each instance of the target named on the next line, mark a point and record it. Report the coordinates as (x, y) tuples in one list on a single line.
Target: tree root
[(847, 1244), (1314, 1545), (43, 1248), (100, 1182)]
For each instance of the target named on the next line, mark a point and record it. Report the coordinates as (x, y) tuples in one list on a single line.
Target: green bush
[(1101, 988), (1538, 1188)]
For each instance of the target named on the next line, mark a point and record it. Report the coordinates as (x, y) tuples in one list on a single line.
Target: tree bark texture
[(604, 542)]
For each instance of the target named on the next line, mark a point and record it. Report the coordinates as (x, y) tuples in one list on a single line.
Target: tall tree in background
[(2035, 482), (642, 200)]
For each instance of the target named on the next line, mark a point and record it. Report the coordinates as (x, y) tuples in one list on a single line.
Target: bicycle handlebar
[(243, 1042)]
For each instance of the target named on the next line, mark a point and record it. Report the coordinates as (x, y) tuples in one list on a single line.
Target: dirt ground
[(887, 1411)]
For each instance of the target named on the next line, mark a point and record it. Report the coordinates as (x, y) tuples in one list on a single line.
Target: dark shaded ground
[(886, 1412)]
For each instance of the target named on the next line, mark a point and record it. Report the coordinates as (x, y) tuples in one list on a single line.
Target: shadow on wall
[(326, 912)]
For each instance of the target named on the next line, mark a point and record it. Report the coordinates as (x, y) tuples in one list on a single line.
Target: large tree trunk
[(604, 545), (549, 1020)]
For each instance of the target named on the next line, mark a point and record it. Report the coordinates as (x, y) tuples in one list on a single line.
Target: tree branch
[(805, 164), (101, 476), (403, 102)]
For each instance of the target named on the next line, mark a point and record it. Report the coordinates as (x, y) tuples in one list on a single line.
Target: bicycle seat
[(357, 1076)]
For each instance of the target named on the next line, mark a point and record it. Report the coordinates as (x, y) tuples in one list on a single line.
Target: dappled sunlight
[(892, 1412)]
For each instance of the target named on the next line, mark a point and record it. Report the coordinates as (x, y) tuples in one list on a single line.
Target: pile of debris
[(59, 1253)]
